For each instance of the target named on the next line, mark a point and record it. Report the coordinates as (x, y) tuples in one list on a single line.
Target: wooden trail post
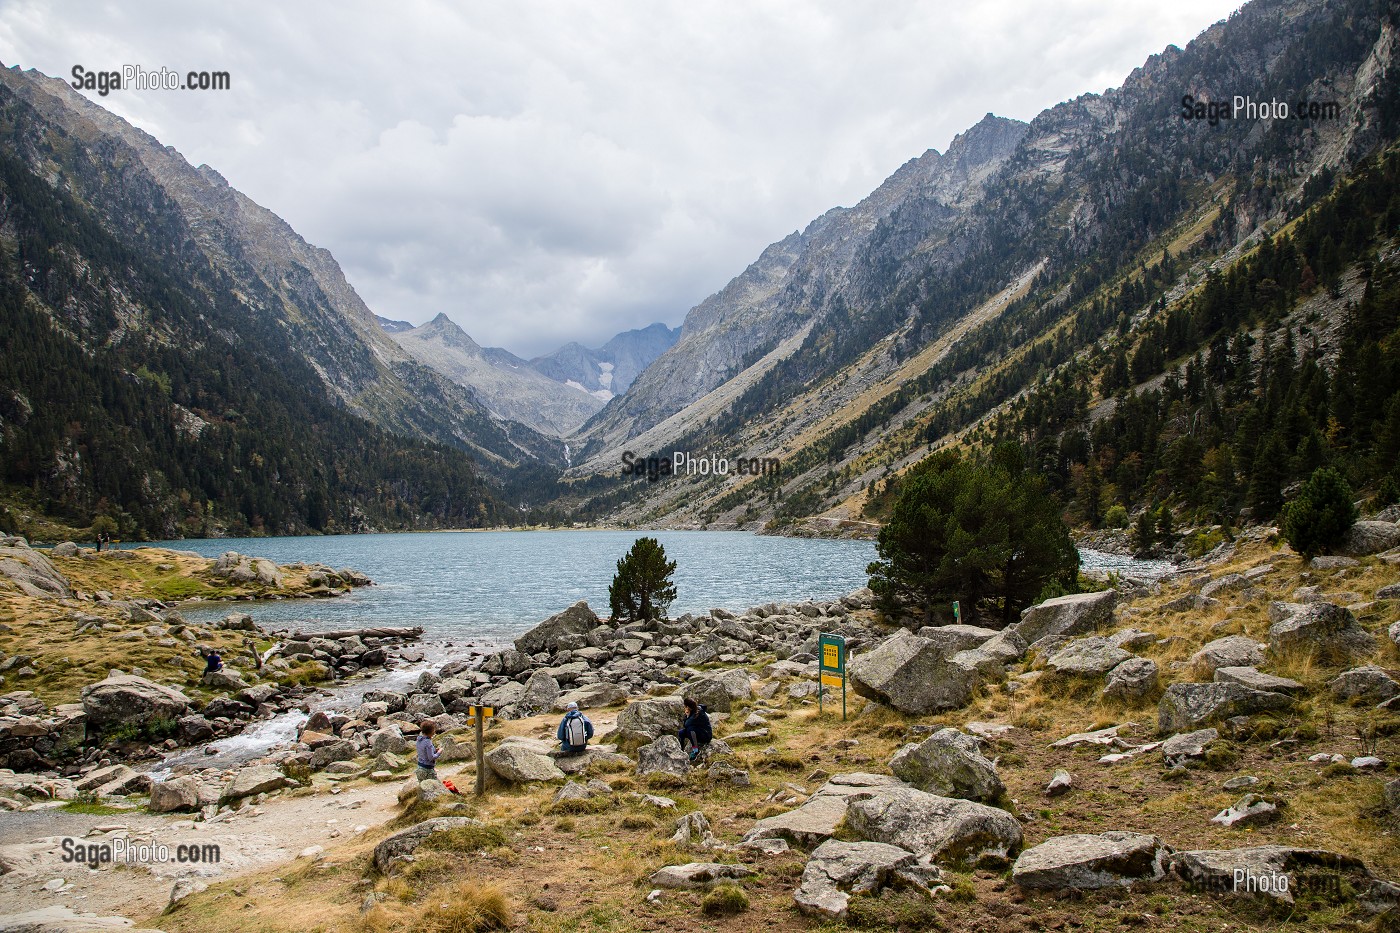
[(479, 715)]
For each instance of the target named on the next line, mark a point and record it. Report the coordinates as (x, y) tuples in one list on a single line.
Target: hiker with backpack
[(696, 731), (574, 730)]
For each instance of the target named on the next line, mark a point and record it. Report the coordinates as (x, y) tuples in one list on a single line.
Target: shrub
[(1319, 517), (725, 899), (1115, 517)]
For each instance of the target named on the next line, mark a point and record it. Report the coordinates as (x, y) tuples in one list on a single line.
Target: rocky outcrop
[(1371, 537), (126, 698), (522, 763), (1370, 684), (1268, 871), (578, 619), (695, 876), (406, 842), (1087, 657), (913, 675), (644, 721), (32, 572), (1084, 862), (1185, 707), (258, 779), (663, 756), (1231, 651), (1077, 614), (942, 829), (720, 691), (836, 870), (1132, 681), (948, 763), (1323, 631)]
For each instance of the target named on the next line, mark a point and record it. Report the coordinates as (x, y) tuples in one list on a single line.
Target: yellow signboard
[(832, 680), (831, 656)]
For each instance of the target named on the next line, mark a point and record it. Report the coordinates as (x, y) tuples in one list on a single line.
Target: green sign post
[(832, 669), (957, 612)]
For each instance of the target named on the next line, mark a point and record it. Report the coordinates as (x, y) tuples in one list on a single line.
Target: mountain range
[(1038, 282)]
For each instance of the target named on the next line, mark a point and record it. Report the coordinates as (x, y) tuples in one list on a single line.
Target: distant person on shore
[(213, 662), (696, 732), (574, 730), (427, 752)]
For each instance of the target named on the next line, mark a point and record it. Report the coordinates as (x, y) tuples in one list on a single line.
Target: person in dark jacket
[(574, 730), (696, 731), (213, 663)]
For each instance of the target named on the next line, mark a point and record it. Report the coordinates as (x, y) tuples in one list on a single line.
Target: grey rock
[(1240, 783), (1231, 651), (1255, 680), (696, 876), (1321, 630), (1371, 537), (1077, 614), (720, 691), (1085, 862), (1185, 745), (33, 573), (1369, 684), (1249, 810), (836, 870), (643, 721), (910, 674), (518, 764), (1214, 870), (1188, 706), (339, 750), (224, 680), (507, 694), (1392, 798), (663, 756), (694, 829), (1087, 657), (1133, 680), (183, 888), (258, 779), (942, 829), (592, 696), (541, 693), (1389, 591), (406, 842), (1229, 583), (1060, 783), (179, 794), (949, 763), (578, 619), (950, 639), (126, 698)]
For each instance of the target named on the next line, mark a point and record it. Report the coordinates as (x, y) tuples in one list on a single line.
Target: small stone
[(1061, 783)]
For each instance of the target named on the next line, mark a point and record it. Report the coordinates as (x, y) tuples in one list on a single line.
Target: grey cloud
[(559, 171)]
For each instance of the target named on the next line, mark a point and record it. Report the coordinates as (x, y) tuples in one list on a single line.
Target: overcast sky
[(554, 171)]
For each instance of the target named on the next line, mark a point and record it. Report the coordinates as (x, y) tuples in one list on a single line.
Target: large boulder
[(591, 696), (1077, 614), (1369, 684), (126, 698), (1257, 680), (541, 693), (942, 829), (507, 694), (32, 572), (1085, 862), (1230, 651), (1134, 680), (719, 691), (664, 756), (1261, 871), (248, 782), (644, 721), (838, 869), (814, 822), (951, 639), (913, 675), (948, 763), (179, 794), (520, 764), (405, 842), (1323, 631), (1187, 745), (578, 619), (1185, 707), (1087, 657), (1371, 538)]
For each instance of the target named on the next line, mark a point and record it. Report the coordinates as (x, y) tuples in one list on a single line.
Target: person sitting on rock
[(213, 663), (574, 730), (696, 732), (427, 752)]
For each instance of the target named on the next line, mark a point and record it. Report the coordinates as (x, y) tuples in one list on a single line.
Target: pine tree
[(1320, 516), (642, 589)]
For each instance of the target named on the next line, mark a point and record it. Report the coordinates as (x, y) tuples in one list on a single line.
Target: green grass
[(93, 808)]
